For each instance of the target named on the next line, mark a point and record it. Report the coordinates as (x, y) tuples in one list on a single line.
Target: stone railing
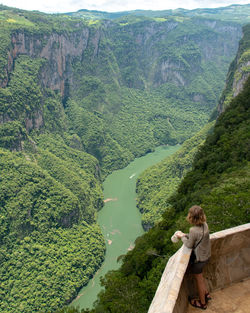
[(230, 262)]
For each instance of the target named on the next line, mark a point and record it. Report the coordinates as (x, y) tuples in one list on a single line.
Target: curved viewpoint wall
[(230, 262)]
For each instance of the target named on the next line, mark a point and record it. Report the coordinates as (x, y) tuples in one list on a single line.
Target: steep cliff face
[(148, 54), (60, 50), (244, 72), (238, 73), (44, 62), (206, 43), (171, 50)]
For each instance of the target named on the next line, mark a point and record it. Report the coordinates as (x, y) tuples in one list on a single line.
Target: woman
[(198, 240)]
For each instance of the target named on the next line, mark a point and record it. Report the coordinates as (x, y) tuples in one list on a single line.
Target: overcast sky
[(53, 6)]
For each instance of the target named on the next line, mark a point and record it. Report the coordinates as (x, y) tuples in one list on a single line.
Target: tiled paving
[(233, 299)]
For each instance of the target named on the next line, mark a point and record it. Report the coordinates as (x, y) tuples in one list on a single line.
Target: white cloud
[(115, 5)]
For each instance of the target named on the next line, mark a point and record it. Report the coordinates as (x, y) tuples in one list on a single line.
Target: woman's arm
[(189, 240)]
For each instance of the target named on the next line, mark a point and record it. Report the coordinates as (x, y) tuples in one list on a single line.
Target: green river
[(119, 219)]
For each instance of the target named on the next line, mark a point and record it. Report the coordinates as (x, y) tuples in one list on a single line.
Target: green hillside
[(239, 13), (44, 239)]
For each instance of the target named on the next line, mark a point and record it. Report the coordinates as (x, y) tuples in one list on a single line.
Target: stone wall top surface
[(168, 289), (229, 231)]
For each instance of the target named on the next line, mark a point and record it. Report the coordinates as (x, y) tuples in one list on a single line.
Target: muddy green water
[(119, 219)]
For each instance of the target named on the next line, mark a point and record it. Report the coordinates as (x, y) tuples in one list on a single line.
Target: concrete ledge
[(230, 262), (168, 289)]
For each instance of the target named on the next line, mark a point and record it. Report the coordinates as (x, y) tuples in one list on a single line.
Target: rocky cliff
[(167, 51), (59, 49), (238, 73), (171, 51)]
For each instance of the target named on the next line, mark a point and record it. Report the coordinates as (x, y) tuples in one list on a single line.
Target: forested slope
[(155, 185), (50, 188), (219, 182), (79, 99)]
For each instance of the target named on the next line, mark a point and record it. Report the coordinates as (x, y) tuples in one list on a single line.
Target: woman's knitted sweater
[(203, 249)]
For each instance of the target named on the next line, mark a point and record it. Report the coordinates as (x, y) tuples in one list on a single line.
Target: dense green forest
[(218, 181), (80, 98), (47, 250)]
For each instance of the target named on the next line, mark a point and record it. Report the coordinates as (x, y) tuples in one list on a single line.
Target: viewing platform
[(227, 275), (232, 299)]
